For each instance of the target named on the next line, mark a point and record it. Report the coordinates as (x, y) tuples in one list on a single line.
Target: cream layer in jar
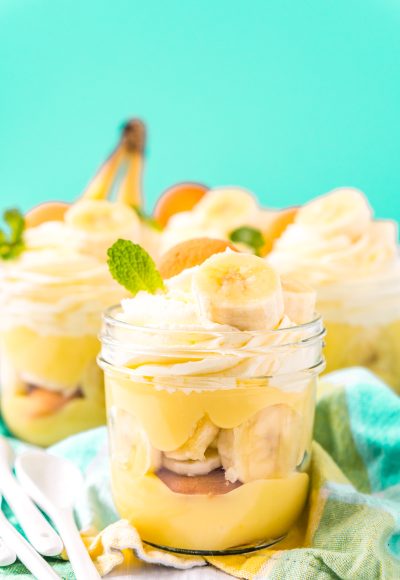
[(210, 387)]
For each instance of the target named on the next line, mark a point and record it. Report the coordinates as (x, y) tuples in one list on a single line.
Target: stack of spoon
[(52, 484)]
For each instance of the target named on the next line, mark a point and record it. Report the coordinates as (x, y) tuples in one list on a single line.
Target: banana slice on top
[(240, 290), (264, 446), (299, 300), (195, 447)]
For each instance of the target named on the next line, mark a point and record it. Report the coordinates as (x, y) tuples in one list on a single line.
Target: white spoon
[(54, 484), (7, 554), (37, 529), (28, 556)]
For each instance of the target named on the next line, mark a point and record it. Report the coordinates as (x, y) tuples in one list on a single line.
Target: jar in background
[(363, 326), (50, 316)]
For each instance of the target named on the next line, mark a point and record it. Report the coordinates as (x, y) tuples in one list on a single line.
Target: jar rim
[(230, 351), (316, 323)]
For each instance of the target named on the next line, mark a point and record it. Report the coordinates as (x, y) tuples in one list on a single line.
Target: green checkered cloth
[(350, 528)]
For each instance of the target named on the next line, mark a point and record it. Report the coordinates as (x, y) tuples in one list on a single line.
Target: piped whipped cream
[(61, 283), (216, 215), (56, 291), (167, 335), (334, 239)]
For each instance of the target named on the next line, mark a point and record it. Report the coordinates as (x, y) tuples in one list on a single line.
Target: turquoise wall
[(289, 98)]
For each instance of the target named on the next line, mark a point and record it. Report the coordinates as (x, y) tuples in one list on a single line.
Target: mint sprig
[(249, 236), (11, 239), (132, 267)]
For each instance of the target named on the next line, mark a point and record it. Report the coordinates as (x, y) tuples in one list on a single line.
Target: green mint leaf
[(16, 223), (249, 236), (147, 219), (11, 240), (133, 268)]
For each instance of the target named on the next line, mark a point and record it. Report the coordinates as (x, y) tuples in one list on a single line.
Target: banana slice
[(265, 446), (299, 300), (189, 468), (240, 290), (226, 208), (343, 211), (102, 217), (195, 447), (130, 445)]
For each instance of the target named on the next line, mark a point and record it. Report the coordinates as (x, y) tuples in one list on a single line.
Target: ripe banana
[(189, 468), (299, 300), (343, 211), (100, 185), (130, 189), (264, 446), (195, 447), (240, 290), (130, 148)]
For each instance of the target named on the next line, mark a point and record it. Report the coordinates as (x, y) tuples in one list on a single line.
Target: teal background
[(284, 97)]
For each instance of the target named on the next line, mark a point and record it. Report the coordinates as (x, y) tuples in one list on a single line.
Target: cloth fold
[(350, 528)]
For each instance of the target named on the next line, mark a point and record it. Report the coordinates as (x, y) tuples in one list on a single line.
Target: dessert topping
[(133, 268)]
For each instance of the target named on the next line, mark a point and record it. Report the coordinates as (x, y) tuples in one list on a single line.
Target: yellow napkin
[(114, 544)]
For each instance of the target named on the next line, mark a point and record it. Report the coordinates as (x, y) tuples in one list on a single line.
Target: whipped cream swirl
[(57, 285), (334, 239), (165, 335)]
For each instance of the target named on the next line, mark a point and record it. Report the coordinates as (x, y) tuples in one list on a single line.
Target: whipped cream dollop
[(216, 215), (334, 239), (56, 291), (167, 335), (60, 283)]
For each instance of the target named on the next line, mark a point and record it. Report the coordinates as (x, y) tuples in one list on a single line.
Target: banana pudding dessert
[(54, 284), (352, 259), (210, 374)]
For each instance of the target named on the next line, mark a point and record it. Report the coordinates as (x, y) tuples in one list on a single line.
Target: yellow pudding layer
[(376, 347), (38, 372), (256, 511), (56, 360), (147, 420), (168, 417)]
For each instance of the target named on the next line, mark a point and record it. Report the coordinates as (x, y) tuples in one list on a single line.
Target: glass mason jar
[(363, 326), (210, 461), (50, 319)]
